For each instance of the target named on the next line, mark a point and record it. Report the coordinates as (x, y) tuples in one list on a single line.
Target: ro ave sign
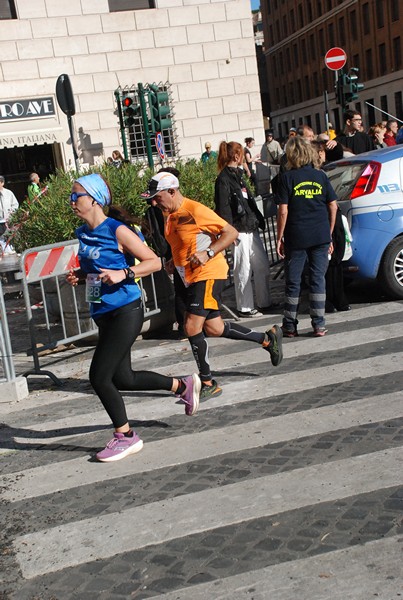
[(26, 109)]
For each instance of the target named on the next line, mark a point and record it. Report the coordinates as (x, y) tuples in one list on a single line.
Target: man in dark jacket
[(353, 138)]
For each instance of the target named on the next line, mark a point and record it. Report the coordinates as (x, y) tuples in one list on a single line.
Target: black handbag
[(269, 206)]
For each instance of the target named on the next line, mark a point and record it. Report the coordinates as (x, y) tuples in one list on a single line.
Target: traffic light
[(352, 85), (341, 85), (347, 87), (159, 109), (129, 109)]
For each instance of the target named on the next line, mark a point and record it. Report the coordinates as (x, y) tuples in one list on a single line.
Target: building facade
[(297, 36), (205, 50), (261, 65)]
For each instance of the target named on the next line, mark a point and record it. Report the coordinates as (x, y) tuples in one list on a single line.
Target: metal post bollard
[(11, 387)]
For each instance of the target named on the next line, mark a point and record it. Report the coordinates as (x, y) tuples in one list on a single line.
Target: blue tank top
[(99, 249)]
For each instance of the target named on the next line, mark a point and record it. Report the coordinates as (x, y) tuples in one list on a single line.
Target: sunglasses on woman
[(75, 196)]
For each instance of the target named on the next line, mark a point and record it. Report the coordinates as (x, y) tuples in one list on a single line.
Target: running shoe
[(250, 313), (210, 391), (274, 344), (319, 331), (191, 394), (119, 447)]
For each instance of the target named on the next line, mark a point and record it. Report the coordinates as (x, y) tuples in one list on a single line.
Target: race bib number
[(93, 288)]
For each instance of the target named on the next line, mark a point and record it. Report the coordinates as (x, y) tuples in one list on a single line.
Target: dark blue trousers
[(317, 260)]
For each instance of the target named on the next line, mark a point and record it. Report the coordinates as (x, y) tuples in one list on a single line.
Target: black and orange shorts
[(204, 298)]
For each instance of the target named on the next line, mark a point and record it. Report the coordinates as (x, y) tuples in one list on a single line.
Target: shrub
[(46, 220), (49, 219), (197, 180)]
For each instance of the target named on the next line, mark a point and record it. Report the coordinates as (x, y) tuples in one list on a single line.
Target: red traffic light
[(127, 101)]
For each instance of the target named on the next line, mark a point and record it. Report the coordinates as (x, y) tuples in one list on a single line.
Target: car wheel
[(391, 269)]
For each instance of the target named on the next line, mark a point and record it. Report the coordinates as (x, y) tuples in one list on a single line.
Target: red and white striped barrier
[(48, 262), (58, 306), (64, 315)]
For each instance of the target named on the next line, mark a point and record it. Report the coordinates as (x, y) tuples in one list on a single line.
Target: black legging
[(111, 369)]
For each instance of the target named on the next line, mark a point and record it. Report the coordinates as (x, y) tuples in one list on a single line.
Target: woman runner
[(107, 248)]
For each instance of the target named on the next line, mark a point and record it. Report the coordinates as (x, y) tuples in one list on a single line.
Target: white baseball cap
[(160, 181)]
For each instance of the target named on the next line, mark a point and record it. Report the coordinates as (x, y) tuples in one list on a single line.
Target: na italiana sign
[(42, 137), (31, 108)]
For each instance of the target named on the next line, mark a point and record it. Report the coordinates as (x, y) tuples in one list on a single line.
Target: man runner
[(197, 237)]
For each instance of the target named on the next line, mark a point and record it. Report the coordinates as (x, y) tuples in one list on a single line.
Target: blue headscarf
[(96, 187)]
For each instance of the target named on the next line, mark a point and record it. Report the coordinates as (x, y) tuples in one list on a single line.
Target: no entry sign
[(335, 58)]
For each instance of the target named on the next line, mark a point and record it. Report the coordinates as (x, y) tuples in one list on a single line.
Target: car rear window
[(343, 177)]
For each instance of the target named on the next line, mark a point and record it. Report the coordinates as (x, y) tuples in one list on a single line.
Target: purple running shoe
[(191, 394), (119, 447)]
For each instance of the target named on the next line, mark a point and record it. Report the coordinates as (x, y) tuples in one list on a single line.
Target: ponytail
[(227, 153), (121, 214)]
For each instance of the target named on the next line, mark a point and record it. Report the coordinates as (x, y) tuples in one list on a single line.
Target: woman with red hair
[(237, 206)]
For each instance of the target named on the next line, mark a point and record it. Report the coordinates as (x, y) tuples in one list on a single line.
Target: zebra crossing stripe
[(373, 567), (39, 481), (72, 544), (254, 354), (292, 349), (234, 393), (181, 349), (304, 323)]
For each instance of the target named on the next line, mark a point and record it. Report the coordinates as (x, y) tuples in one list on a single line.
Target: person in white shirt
[(8, 204)]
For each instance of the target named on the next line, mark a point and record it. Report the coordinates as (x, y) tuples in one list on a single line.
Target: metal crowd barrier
[(7, 373), (270, 234), (57, 313), (265, 173)]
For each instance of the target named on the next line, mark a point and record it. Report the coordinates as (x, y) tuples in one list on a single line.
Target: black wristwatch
[(210, 253), (130, 276)]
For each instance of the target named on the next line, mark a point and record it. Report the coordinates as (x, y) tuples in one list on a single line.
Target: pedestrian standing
[(208, 154), (271, 151), (305, 222), (197, 237), (8, 201), (236, 205), (353, 138), (8, 204), (34, 188), (391, 132), (117, 159), (107, 249), (250, 160)]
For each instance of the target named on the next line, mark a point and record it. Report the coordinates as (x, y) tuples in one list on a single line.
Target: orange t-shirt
[(192, 229)]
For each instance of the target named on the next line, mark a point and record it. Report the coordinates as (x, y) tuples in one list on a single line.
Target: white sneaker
[(250, 313)]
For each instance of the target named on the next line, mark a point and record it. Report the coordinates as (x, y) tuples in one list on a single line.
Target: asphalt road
[(289, 485)]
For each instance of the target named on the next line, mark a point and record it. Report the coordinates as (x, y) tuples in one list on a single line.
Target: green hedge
[(50, 219)]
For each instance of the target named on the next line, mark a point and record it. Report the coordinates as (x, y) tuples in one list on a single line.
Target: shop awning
[(29, 133)]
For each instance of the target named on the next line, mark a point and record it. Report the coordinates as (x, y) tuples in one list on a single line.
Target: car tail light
[(367, 181)]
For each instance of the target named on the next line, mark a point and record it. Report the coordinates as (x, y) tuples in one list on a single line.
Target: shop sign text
[(27, 140), (26, 109)]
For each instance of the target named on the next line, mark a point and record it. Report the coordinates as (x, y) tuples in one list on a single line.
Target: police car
[(370, 191)]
